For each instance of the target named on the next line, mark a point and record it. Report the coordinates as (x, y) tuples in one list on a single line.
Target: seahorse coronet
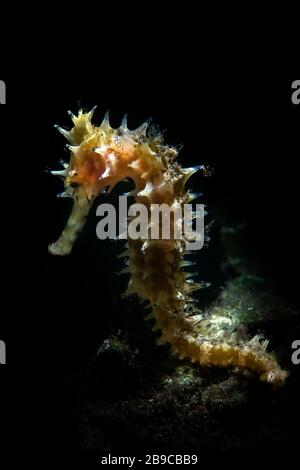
[(101, 157)]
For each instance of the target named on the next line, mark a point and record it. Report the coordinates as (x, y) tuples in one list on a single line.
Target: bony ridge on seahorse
[(102, 156)]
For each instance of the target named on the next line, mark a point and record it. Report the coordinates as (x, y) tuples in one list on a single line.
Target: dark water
[(58, 311)]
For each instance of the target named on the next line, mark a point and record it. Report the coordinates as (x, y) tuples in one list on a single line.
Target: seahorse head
[(102, 156)]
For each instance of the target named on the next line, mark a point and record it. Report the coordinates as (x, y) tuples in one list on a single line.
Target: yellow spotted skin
[(100, 158)]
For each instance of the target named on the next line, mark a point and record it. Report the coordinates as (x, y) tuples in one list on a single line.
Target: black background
[(244, 126)]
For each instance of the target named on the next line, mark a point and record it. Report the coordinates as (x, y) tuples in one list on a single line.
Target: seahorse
[(100, 157)]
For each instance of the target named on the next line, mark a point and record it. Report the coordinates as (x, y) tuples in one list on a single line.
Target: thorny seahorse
[(102, 156)]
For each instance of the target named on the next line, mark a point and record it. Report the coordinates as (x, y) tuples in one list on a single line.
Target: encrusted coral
[(100, 158)]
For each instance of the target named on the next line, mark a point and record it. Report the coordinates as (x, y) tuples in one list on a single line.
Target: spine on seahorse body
[(100, 158)]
